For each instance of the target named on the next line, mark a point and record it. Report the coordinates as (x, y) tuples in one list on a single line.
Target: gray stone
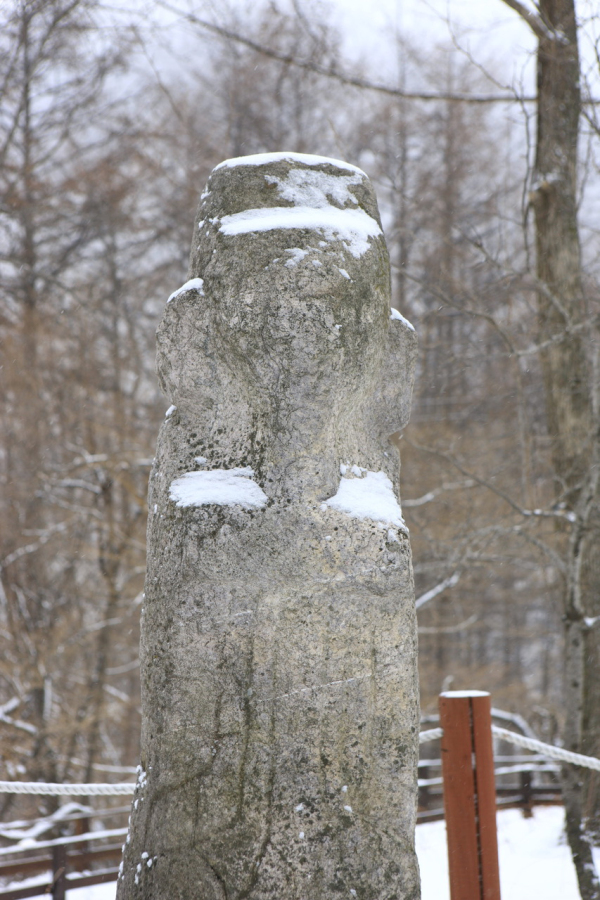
[(280, 698)]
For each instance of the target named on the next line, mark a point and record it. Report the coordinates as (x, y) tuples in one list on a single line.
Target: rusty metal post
[(469, 795)]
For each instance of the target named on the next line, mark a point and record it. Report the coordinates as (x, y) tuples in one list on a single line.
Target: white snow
[(263, 159), (369, 496), (72, 839), (535, 860), (344, 273), (461, 694), (194, 284), (27, 833), (224, 487), (170, 411), (352, 226), (313, 188), (297, 255), (397, 315), (95, 892)]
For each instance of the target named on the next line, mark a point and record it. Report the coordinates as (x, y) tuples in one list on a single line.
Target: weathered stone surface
[(280, 701)]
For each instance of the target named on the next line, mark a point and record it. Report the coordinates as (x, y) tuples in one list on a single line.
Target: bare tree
[(75, 251), (569, 367)]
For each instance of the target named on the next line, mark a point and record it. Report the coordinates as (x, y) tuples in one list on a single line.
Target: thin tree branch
[(568, 515), (448, 629), (343, 77), (539, 28), (363, 83)]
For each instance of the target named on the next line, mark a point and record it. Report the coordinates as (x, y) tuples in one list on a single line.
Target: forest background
[(111, 119)]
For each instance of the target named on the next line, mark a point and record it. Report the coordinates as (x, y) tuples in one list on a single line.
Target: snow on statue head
[(278, 641), (282, 349)]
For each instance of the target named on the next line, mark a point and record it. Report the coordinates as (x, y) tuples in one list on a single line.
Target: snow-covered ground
[(534, 860)]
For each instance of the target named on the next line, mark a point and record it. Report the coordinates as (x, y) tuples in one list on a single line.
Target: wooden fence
[(523, 780), (61, 864), (451, 780), (68, 862)]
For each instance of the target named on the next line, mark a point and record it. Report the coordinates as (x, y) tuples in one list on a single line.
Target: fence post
[(424, 788), (469, 795), (82, 826), (59, 871), (526, 779)]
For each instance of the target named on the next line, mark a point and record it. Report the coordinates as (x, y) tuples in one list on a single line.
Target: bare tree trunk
[(567, 378)]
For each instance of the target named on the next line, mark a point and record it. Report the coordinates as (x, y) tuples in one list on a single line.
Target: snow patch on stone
[(315, 189), (353, 227), (367, 495), (296, 256), (398, 316), (194, 284), (222, 487), (307, 159)]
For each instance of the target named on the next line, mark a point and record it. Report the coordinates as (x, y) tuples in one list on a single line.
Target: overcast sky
[(487, 29)]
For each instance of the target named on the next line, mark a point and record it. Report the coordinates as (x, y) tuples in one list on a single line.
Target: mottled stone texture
[(280, 700)]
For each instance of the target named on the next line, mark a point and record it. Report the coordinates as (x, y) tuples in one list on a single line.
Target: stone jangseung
[(280, 700)]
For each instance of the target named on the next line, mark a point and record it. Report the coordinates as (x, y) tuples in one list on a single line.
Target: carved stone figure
[(280, 698)]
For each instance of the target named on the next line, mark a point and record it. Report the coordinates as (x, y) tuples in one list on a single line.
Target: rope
[(434, 734), (65, 790), (576, 759), (547, 750)]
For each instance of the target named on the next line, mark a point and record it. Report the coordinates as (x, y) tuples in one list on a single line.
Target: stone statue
[(278, 651)]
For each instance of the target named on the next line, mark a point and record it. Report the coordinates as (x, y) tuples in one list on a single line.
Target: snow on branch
[(431, 495), (438, 589), (448, 629), (31, 548), (9, 707), (537, 24)]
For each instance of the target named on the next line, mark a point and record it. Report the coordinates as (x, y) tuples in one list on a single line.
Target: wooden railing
[(521, 781), (61, 863), (516, 786), (69, 862)]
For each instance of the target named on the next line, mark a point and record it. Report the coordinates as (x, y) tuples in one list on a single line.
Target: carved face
[(287, 331), (296, 274)]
